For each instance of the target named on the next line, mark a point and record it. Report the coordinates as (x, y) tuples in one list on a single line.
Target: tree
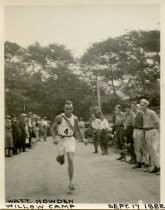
[(128, 65), (29, 79)]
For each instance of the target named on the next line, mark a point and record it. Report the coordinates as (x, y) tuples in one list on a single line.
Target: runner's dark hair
[(68, 102)]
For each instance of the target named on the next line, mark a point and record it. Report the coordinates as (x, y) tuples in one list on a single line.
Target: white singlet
[(64, 129), (67, 143)]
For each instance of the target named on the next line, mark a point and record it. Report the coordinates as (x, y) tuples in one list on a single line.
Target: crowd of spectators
[(135, 132), (22, 133)]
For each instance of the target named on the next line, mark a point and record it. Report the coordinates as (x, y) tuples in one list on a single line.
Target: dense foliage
[(128, 65), (41, 78)]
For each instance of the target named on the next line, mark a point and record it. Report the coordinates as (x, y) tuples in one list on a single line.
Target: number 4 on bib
[(66, 131)]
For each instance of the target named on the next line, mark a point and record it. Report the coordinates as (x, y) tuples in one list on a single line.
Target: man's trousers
[(140, 146), (152, 141)]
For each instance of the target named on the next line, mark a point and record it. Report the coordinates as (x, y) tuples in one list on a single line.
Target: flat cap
[(145, 101), (23, 115), (118, 105)]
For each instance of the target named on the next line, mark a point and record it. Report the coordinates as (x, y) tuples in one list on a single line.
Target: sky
[(76, 27)]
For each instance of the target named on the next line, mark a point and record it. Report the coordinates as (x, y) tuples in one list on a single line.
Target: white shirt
[(64, 129), (44, 123), (95, 124), (104, 124), (30, 122)]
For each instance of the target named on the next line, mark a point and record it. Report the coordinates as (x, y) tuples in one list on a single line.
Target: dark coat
[(22, 127), (16, 132)]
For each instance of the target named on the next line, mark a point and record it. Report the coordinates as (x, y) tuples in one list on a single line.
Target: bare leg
[(70, 169)]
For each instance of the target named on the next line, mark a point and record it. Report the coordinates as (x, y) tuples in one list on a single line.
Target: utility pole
[(98, 94)]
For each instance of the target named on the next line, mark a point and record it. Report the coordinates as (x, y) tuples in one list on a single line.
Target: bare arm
[(54, 130), (77, 129)]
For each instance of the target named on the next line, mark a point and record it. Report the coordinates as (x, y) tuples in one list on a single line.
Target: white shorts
[(65, 145)]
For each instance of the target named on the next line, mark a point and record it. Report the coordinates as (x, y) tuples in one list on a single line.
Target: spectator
[(8, 137), (49, 128), (119, 130), (151, 129), (36, 130), (44, 127), (138, 137), (81, 125), (128, 124), (104, 126), (23, 131), (95, 124), (30, 128), (40, 127), (16, 133)]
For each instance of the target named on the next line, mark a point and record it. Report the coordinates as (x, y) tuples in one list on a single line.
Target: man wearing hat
[(151, 129)]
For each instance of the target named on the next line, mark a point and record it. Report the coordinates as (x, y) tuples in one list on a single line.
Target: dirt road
[(98, 179)]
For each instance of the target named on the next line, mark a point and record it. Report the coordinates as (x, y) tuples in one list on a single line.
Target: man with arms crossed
[(64, 131)]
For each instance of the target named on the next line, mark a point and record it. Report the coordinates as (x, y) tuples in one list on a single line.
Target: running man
[(64, 131)]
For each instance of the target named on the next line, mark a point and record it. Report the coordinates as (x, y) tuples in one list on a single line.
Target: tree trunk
[(114, 89), (112, 82)]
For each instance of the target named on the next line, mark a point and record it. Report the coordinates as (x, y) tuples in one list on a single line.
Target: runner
[(64, 131)]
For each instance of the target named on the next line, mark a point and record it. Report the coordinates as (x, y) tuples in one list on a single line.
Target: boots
[(139, 165), (121, 156)]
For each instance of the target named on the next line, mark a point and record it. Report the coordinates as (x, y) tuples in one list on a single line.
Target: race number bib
[(64, 128)]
